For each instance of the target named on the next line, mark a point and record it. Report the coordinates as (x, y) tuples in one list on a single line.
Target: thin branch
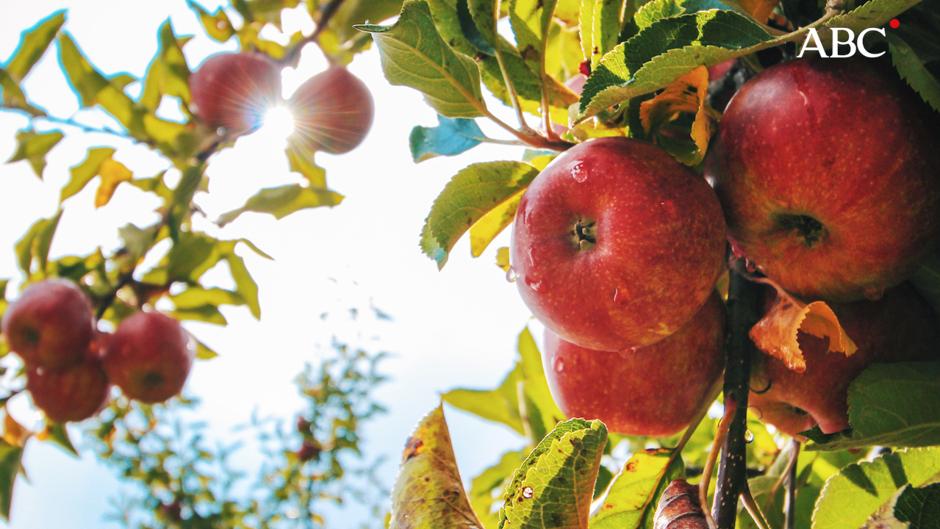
[(750, 505), (743, 310), (719, 440), (73, 123), (326, 14), (790, 505)]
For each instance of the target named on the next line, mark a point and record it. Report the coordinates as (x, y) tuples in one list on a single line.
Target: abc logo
[(844, 43)]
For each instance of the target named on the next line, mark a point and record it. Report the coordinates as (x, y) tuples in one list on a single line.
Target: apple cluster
[(332, 110), (823, 178), (70, 365)]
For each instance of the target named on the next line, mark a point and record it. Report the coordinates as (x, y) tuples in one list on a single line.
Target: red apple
[(654, 390), (897, 328), (72, 394), (827, 170), (50, 325), (617, 245), (233, 90), (332, 111), (149, 357)]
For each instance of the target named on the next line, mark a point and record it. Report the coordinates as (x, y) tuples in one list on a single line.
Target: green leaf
[(913, 71), (204, 313), (860, 489), (168, 73), (483, 488), (34, 245), (245, 285), (656, 10), (75, 267), (873, 13), (217, 24), (93, 88), (919, 506), (85, 171), (137, 242), (428, 493), (204, 352), (498, 405), (33, 147), (302, 161), (284, 200), (33, 45), (189, 258), (11, 461), (413, 54), (530, 21), (603, 32), (555, 484), (450, 138), (58, 434), (195, 297), (891, 405), (631, 498), (14, 97), (467, 198), (667, 49), (927, 280), (534, 383)]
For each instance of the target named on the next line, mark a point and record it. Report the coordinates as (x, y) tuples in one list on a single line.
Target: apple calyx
[(584, 234), (807, 228)]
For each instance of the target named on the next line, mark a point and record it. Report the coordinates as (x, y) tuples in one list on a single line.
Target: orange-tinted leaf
[(759, 9), (14, 433), (776, 333), (112, 173), (686, 95)]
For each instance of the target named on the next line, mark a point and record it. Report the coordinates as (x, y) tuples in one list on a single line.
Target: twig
[(72, 122), (743, 305), (750, 505), (326, 13), (790, 505), (719, 440)]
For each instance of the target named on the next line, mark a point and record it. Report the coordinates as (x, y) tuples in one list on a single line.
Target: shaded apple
[(332, 111), (827, 171), (149, 357), (233, 90), (50, 325), (617, 245), (654, 390), (897, 328), (72, 394)]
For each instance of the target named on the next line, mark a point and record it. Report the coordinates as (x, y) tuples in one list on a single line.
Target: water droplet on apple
[(748, 436), (527, 492), (578, 173), (615, 294), (534, 284), (559, 365), (511, 275)]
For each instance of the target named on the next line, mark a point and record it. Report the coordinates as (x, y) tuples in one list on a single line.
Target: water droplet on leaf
[(527, 492)]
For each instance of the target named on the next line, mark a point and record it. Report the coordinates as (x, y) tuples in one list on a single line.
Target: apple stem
[(743, 311), (790, 512)]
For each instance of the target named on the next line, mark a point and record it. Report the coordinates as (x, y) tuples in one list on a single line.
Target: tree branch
[(743, 310), (326, 13)]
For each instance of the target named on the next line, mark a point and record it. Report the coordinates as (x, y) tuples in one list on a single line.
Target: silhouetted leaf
[(34, 245), (284, 200), (33, 44), (58, 434), (11, 460), (217, 24), (168, 73)]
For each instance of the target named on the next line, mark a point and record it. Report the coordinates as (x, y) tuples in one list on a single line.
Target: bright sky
[(451, 328)]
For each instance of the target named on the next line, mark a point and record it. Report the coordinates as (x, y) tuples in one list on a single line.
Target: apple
[(899, 327), (233, 90), (332, 111), (655, 390), (827, 171), (616, 245), (50, 325), (149, 357), (72, 394)]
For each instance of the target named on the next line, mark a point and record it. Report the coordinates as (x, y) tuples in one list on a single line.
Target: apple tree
[(96, 337)]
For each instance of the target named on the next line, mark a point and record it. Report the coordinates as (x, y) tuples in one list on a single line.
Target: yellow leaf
[(14, 433), (686, 95), (502, 258), (112, 173), (759, 9), (490, 225), (776, 334)]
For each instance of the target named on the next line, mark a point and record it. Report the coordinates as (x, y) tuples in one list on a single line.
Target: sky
[(452, 328)]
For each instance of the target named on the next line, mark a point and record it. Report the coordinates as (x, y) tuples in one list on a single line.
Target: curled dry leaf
[(686, 95), (14, 433), (776, 334), (679, 508)]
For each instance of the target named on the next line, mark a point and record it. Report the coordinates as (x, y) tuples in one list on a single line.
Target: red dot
[(895, 23)]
